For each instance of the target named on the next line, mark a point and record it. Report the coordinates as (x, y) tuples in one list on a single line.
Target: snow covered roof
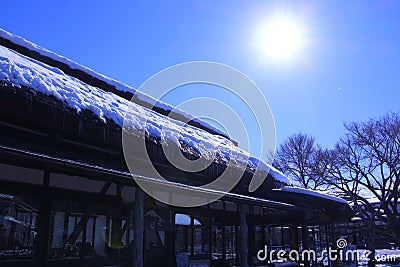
[(41, 78), (70, 67), (314, 193), (330, 208), (44, 52)]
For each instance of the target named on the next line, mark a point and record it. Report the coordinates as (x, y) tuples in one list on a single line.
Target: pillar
[(44, 221), (294, 239), (243, 236), (304, 238), (138, 228)]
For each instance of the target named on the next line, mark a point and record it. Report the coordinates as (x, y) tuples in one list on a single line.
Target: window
[(93, 231), (18, 227), (192, 239)]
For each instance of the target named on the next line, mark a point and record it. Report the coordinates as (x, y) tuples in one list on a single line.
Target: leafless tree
[(303, 161), (365, 163)]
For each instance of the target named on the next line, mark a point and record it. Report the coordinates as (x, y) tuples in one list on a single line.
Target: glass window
[(93, 231), (155, 237), (18, 227), (192, 239), (217, 242), (275, 233), (183, 233), (230, 245)]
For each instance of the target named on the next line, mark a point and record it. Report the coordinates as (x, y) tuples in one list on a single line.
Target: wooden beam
[(244, 237), (139, 227), (116, 223), (44, 221), (85, 218)]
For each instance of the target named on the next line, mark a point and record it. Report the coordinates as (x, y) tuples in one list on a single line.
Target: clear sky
[(347, 67)]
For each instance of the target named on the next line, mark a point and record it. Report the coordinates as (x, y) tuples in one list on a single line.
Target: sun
[(281, 38)]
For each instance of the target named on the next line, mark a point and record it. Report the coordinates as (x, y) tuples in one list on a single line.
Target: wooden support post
[(334, 238), (243, 236), (82, 251), (304, 233), (191, 235), (170, 239), (116, 222), (85, 218), (94, 232), (44, 221), (139, 227), (66, 225), (210, 233), (223, 241), (327, 244), (294, 239), (107, 235), (237, 259)]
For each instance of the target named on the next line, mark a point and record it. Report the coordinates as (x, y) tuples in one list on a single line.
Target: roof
[(36, 81), (336, 208), (25, 72), (103, 82), (303, 191)]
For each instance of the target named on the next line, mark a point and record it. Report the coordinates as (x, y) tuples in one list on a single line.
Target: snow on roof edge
[(278, 175), (15, 39), (299, 190), (45, 52), (40, 77)]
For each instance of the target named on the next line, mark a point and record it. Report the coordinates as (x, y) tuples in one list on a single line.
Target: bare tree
[(366, 163), (302, 160)]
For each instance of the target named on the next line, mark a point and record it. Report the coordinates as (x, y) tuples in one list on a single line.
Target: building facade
[(68, 199)]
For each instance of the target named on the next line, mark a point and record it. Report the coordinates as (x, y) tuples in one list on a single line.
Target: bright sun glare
[(281, 38)]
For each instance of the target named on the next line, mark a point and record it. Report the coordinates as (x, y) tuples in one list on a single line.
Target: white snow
[(373, 200), (41, 78), (44, 52), (13, 220), (118, 85), (6, 196), (309, 192), (356, 219), (277, 175), (183, 219)]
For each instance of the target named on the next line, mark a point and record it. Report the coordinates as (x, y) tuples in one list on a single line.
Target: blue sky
[(347, 69)]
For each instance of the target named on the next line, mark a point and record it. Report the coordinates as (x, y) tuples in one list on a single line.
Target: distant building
[(67, 198), (356, 230)]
